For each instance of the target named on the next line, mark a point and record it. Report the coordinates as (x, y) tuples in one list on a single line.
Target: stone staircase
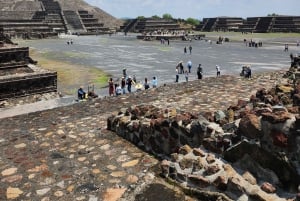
[(73, 21)]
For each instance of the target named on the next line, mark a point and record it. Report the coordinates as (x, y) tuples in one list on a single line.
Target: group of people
[(185, 49), (115, 88), (246, 71), (180, 69), (70, 42)]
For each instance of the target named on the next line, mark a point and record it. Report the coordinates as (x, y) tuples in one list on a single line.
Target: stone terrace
[(67, 154)]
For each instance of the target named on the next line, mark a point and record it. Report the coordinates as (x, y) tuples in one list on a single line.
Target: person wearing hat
[(130, 82), (199, 72)]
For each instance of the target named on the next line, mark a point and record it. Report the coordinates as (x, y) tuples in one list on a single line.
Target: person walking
[(189, 65), (218, 70), (129, 84), (190, 48), (184, 50)]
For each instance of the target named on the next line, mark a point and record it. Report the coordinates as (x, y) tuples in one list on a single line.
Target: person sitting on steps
[(81, 93)]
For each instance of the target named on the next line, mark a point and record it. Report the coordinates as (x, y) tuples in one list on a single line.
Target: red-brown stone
[(276, 117), (279, 139), (250, 126)]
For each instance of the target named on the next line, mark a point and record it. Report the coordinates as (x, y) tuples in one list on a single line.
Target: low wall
[(27, 85), (161, 132)]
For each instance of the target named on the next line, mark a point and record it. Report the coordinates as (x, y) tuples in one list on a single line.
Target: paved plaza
[(148, 59)]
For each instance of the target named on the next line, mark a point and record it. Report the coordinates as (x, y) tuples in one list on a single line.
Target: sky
[(197, 9)]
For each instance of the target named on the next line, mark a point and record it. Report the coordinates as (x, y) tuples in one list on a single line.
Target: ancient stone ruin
[(45, 18), (252, 24), (248, 152), (19, 75)]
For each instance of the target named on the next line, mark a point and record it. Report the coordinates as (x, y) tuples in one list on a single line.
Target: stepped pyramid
[(29, 17)]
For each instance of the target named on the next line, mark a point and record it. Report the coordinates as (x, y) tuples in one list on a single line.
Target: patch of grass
[(164, 49), (70, 76)]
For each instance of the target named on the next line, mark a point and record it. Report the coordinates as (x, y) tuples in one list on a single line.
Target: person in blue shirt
[(81, 93), (189, 65), (154, 82)]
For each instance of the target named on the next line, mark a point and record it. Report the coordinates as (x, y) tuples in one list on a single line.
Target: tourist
[(154, 82), (189, 65), (190, 49), (184, 50), (186, 75), (124, 73), (111, 87), (81, 93), (298, 43), (71, 42), (180, 67), (129, 83), (249, 72), (286, 47), (199, 72), (118, 90), (146, 84), (218, 70), (177, 74), (123, 85)]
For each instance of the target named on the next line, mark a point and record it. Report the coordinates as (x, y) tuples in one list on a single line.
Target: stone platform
[(67, 154)]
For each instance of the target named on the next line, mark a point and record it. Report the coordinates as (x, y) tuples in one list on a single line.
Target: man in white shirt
[(218, 70)]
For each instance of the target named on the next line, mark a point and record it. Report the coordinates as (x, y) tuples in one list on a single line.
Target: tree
[(140, 17), (272, 15), (167, 16), (155, 17), (192, 21)]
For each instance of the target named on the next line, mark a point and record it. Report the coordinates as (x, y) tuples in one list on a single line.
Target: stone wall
[(18, 74), (28, 85), (260, 135), (161, 131)]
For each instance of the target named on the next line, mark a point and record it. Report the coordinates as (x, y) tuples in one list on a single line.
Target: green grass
[(70, 75)]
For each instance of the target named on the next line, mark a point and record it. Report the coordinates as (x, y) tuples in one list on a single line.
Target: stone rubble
[(265, 128)]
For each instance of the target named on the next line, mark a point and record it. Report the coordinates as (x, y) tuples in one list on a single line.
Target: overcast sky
[(197, 8)]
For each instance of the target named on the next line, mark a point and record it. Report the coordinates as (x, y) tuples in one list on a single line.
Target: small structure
[(19, 75)]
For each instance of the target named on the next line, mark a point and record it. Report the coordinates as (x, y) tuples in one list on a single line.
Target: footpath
[(66, 153)]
